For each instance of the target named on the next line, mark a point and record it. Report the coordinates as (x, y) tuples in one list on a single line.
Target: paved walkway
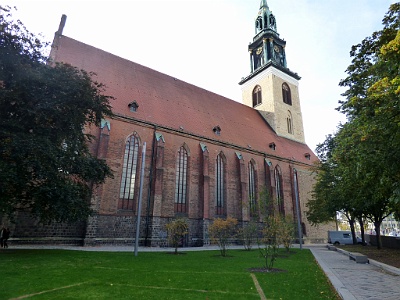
[(373, 281), (358, 281)]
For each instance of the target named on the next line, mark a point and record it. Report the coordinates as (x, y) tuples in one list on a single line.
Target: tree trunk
[(378, 234), (353, 231), (361, 221)]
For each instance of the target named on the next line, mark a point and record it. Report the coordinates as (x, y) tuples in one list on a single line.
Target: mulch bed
[(387, 256)]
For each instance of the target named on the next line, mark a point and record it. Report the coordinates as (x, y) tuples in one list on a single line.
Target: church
[(203, 156)]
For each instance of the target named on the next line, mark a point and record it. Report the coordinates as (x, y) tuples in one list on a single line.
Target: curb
[(337, 284)]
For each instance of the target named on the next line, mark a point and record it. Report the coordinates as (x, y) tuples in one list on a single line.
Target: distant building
[(206, 156)]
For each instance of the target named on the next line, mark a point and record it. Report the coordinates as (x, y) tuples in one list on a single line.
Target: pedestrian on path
[(1, 236), (6, 236)]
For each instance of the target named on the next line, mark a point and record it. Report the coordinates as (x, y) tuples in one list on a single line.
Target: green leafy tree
[(361, 172), (45, 163), (222, 231), (372, 105), (177, 229)]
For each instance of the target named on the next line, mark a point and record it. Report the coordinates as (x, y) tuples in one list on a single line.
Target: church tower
[(271, 87)]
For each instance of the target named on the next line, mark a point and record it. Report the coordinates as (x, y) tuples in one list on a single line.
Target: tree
[(286, 232), (221, 231), (177, 229), (45, 163), (373, 106), (360, 174), (268, 243)]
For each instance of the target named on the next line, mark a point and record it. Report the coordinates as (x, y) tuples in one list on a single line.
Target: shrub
[(286, 232), (177, 229), (248, 234), (221, 231), (268, 243)]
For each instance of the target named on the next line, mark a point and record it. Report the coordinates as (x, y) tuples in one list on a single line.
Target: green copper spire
[(264, 4), (265, 19), (267, 50)]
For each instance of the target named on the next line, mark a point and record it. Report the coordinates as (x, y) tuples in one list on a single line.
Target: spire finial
[(264, 4)]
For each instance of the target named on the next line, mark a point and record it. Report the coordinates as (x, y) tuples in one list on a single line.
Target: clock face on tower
[(276, 48)]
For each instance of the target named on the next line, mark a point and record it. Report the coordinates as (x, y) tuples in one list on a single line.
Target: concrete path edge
[(343, 292)]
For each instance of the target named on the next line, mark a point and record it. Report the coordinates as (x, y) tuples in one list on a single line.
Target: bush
[(177, 229), (248, 234), (268, 243), (221, 231)]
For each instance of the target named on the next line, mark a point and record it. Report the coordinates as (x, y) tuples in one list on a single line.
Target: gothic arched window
[(287, 96), (289, 121), (257, 96), (181, 180), (129, 173), (279, 191), (220, 184), (252, 189)]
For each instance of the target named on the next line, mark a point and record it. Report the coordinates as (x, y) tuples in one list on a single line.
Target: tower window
[(257, 96), (287, 96), (289, 121)]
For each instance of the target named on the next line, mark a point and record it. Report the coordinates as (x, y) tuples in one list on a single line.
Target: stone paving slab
[(357, 281)]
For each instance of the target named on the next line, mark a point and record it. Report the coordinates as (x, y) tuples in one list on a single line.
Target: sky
[(204, 42)]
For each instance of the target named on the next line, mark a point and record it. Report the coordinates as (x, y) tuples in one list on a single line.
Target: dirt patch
[(176, 253), (265, 270)]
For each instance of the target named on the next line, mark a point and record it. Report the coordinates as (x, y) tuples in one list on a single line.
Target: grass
[(65, 274)]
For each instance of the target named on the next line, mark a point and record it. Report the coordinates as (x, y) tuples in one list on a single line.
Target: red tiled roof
[(173, 103)]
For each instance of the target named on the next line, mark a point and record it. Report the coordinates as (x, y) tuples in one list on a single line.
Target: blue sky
[(204, 42)]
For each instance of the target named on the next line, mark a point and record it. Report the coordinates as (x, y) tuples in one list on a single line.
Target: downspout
[(147, 232)]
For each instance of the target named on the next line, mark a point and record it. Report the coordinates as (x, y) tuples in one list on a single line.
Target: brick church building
[(206, 156)]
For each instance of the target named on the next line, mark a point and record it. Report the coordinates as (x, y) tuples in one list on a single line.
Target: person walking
[(2, 232), (6, 236)]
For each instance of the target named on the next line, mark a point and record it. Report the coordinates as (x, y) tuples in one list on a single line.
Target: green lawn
[(64, 274)]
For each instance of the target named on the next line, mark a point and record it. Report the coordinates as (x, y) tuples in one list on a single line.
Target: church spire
[(265, 19), (267, 47)]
